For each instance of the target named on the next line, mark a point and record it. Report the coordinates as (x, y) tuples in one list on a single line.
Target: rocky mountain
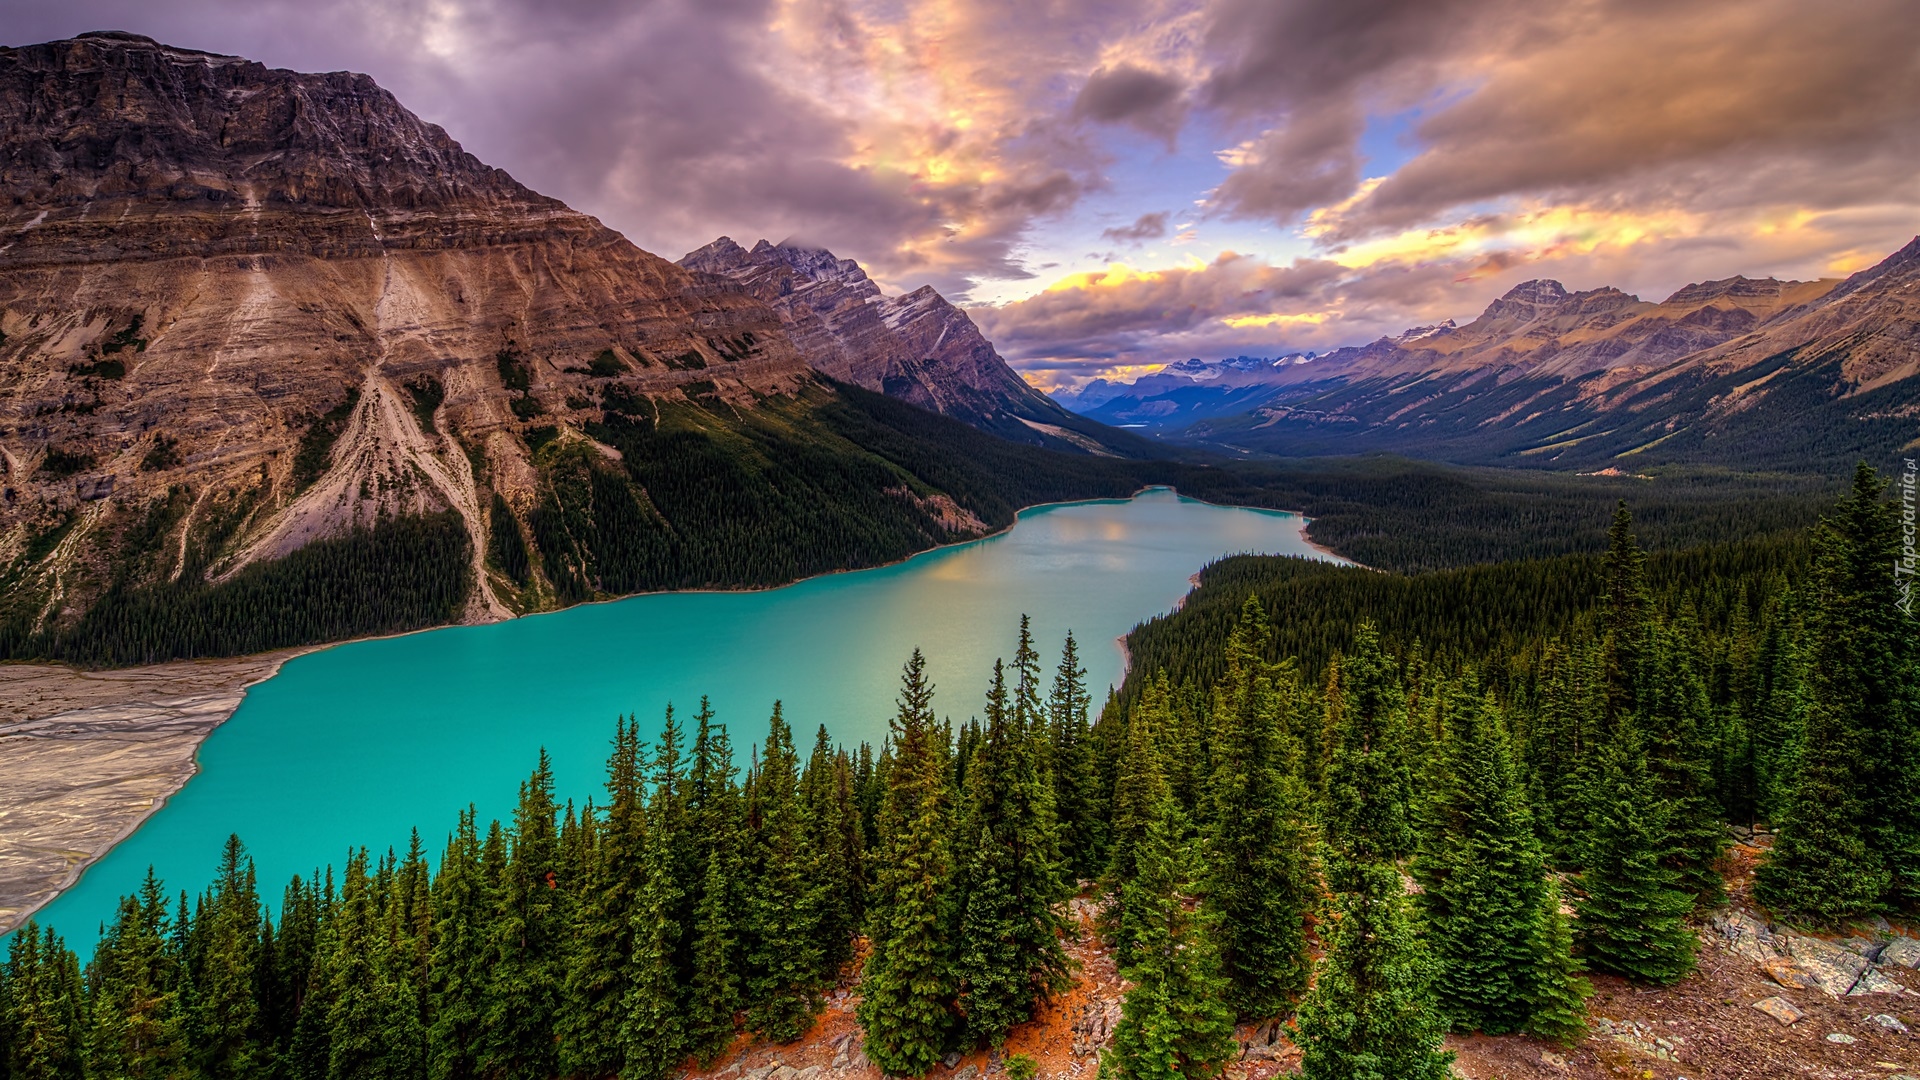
[(1537, 331), (1764, 374), (258, 327), (917, 347)]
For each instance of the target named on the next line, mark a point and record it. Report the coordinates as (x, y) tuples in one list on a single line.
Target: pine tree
[(714, 985), (1632, 918), (224, 1010), (1369, 787), (41, 1010), (1559, 1003), (1137, 794), (1175, 1022), (1626, 617), (834, 836), (1371, 1013), (1849, 840), (1483, 877), (906, 987), (785, 954), (462, 956), (652, 1032), (1676, 715), (1009, 952), (136, 1030), (1262, 875), (1075, 775), (528, 965)]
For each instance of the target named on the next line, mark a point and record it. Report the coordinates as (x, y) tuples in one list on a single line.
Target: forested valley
[(1354, 799)]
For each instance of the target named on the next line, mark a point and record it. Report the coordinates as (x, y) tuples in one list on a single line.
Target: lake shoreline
[(59, 826)]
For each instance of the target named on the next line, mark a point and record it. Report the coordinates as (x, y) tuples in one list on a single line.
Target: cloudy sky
[(1113, 184)]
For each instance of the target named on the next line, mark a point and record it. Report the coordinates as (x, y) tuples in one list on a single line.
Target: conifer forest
[(1381, 807)]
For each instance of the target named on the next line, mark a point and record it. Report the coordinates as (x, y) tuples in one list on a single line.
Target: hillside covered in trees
[(1295, 750)]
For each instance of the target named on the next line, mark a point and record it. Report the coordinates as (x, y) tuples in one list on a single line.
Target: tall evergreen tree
[(1484, 892), (1076, 796), (714, 985), (1632, 916), (462, 956), (1849, 840), (786, 958), (1626, 616), (1675, 714), (1175, 1023), (529, 968), (1369, 786), (907, 986), (137, 1029), (1009, 950), (224, 1009), (1262, 874), (1371, 1013), (41, 1008)]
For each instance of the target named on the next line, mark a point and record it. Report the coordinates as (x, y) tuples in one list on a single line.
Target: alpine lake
[(360, 743)]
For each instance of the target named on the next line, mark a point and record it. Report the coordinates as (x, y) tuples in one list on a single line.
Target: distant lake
[(360, 743)]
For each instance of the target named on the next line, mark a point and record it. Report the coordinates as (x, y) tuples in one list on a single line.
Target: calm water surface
[(360, 743)]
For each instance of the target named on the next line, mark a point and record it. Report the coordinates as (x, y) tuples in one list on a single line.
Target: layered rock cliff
[(244, 309)]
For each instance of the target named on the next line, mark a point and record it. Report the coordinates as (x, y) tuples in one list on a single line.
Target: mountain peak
[(1537, 291)]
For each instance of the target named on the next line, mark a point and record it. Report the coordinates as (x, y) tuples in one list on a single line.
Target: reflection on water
[(360, 743)]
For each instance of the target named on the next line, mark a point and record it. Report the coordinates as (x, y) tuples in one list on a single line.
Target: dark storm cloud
[(1145, 227), (1129, 94)]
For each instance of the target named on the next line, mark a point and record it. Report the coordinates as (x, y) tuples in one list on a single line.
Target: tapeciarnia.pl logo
[(1904, 567)]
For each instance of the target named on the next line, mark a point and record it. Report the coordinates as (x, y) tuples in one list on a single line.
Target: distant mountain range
[(1758, 374)]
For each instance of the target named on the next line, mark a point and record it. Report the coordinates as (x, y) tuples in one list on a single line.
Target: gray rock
[(1891, 1023), (1833, 968), (1872, 981), (1841, 1038), (1747, 936), (1902, 952)]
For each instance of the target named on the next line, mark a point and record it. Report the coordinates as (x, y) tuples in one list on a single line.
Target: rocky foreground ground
[(89, 755), (1766, 1003)]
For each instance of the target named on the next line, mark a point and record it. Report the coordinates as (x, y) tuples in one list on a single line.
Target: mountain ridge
[(917, 347), (270, 342), (1727, 372)]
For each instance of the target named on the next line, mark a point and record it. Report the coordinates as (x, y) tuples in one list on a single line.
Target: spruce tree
[(224, 1011), (1137, 794), (906, 986), (1849, 841), (714, 809), (786, 958), (1369, 786), (1558, 1008), (652, 1032), (1632, 918), (1675, 714), (1075, 774), (1371, 1013), (1625, 618), (1175, 1022), (1009, 951), (528, 970), (41, 1008), (462, 956), (1484, 888), (136, 1029), (1262, 876)]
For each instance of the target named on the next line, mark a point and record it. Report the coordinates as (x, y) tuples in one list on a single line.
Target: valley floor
[(91, 754)]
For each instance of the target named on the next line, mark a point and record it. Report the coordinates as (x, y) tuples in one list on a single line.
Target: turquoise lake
[(360, 743)]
